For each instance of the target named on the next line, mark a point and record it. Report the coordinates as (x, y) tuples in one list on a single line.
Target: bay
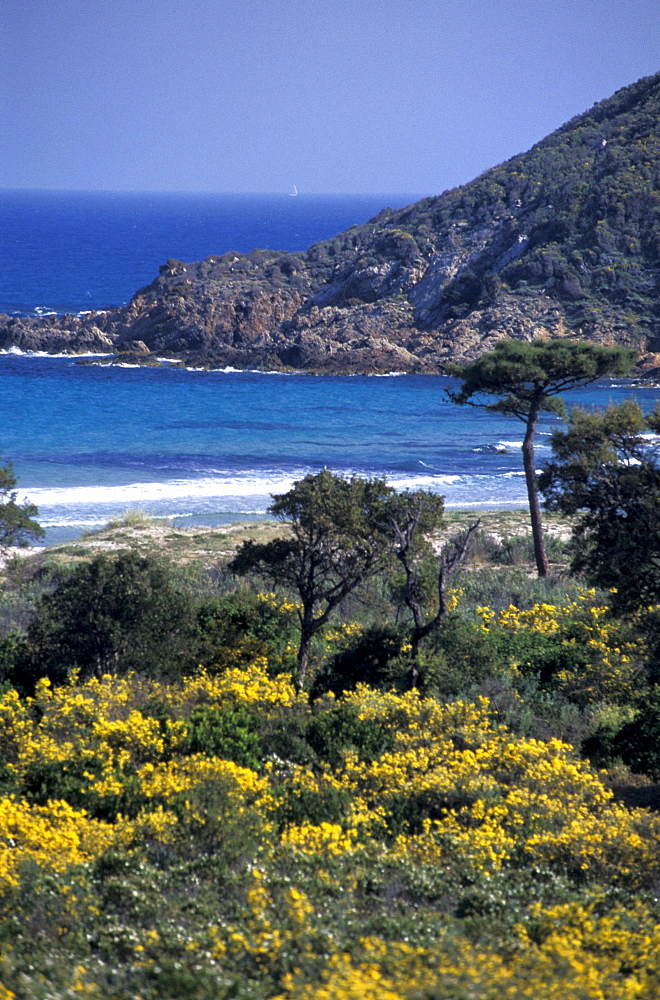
[(89, 442)]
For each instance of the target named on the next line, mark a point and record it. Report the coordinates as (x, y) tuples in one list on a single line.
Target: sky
[(368, 96)]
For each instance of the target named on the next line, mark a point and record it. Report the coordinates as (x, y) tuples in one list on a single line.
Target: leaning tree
[(526, 380), (333, 545)]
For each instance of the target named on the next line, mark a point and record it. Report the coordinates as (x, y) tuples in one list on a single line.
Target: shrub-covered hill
[(561, 240)]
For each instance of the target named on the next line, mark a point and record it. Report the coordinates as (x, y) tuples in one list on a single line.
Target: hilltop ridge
[(563, 240)]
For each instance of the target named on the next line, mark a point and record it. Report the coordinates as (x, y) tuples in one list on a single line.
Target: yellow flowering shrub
[(450, 793), (53, 836), (16, 726), (251, 686), (467, 788), (452, 784), (572, 954), (161, 782), (321, 838), (600, 656)]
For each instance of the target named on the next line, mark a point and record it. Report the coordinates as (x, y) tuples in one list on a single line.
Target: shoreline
[(211, 544), (646, 373)]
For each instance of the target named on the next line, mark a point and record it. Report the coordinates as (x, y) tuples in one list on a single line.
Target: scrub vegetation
[(458, 811)]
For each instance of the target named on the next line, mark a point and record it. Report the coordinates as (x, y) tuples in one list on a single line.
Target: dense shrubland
[(418, 814)]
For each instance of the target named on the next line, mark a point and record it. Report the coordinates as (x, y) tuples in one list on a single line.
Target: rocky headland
[(561, 241)]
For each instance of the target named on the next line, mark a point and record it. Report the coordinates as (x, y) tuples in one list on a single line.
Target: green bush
[(499, 587), (373, 658), (331, 733), (110, 615), (232, 630), (301, 805), (228, 731), (457, 656), (637, 743)]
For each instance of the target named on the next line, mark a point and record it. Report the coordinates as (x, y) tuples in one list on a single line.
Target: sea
[(89, 442)]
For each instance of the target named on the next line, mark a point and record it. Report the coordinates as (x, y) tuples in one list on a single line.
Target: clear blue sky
[(333, 96)]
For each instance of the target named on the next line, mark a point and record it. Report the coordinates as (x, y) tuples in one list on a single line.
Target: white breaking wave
[(238, 371), (44, 354), (423, 482), (513, 445), (76, 521), (92, 504), (634, 386), (176, 489)]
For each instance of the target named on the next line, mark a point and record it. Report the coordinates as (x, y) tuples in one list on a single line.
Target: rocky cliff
[(561, 241)]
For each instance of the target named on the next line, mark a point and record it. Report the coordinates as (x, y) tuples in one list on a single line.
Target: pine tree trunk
[(533, 495)]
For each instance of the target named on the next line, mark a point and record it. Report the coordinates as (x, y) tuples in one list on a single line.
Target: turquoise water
[(89, 441)]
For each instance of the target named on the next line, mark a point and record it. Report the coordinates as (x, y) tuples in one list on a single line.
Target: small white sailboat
[(293, 193)]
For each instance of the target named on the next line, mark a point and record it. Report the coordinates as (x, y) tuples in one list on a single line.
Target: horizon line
[(251, 194)]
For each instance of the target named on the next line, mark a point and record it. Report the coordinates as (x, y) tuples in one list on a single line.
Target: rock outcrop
[(562, 241)]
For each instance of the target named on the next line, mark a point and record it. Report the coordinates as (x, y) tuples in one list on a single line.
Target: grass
[(135, 517), (505, 532)]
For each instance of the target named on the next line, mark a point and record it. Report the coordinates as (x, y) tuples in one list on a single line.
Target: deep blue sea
[(75, 251), (89, 441)]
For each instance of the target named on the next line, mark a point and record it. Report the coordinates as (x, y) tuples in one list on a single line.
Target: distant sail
[(293, 192)]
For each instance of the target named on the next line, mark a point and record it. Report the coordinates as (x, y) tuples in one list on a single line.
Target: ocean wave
[(231, 487), (506, 448), (155, 492), (517, 445), (420, 482), (492, 449), (229, 370), (17, 352), (81, 521), (39, 312), (74, 522), (223, 500), (633, 385)]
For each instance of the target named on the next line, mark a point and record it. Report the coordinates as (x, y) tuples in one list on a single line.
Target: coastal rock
[(57, 334), (562, 241)]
